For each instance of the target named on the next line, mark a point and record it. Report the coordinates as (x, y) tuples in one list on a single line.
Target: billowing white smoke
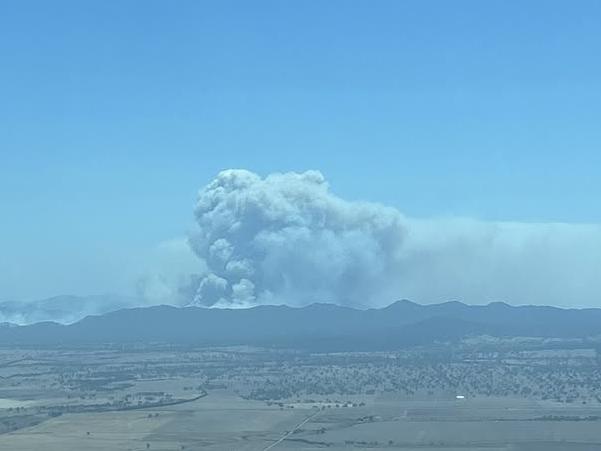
[(287, 239)]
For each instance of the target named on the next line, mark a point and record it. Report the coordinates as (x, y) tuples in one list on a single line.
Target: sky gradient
[(114, 114)]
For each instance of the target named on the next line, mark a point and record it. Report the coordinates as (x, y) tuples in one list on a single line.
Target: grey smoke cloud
[(287, 239), (519, 263), (170, 274)]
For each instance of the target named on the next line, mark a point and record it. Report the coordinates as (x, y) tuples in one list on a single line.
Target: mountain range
[(314, 327), (64, 308)]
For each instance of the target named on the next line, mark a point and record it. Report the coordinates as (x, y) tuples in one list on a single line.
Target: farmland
[(229, 398)]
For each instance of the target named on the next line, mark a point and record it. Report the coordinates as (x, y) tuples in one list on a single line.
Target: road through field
[(290, 432)]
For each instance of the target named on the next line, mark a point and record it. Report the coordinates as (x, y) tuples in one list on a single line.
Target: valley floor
[(262, 400), (224, 421)]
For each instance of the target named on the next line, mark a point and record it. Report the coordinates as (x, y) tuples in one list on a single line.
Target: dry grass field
[(261, 400)]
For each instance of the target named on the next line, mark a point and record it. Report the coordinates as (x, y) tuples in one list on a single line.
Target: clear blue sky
[(114, 113)]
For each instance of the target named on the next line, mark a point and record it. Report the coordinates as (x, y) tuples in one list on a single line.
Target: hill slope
[(317, 326), (64, 309)]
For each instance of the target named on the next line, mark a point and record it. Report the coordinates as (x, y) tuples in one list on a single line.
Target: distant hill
[(63, 309), (315, 327)]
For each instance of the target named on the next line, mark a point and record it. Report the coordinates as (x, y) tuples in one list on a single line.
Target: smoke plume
[(287, 239)]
